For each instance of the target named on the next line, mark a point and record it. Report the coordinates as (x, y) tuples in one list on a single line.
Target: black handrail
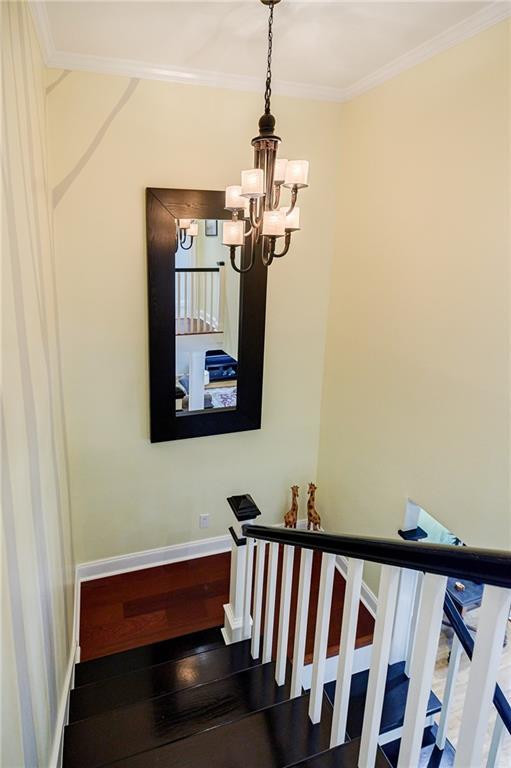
[(197, 269), (487, 566), (501, 703)]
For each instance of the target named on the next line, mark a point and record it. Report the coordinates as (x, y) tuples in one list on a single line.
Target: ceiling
[(321, 49)]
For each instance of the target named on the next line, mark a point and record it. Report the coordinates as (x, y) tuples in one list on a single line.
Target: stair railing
[(199, 295), (435, 562)]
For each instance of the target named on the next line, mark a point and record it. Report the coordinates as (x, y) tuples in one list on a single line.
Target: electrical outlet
[(203, 521)]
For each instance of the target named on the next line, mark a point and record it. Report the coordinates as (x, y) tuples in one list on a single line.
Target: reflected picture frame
[(211, 227)]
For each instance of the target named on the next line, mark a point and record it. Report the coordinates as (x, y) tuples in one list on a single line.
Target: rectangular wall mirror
[(206, 321)]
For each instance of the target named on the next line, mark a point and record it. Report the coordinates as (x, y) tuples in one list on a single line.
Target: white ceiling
[(323, 49)]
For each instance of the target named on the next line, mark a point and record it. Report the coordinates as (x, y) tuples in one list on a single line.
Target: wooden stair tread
[(276, 737), (396, 690), (149, 724), (147, 655), (430, 757), (343, 756), (151, 682)]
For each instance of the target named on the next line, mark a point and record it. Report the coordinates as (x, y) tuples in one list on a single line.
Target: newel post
[(245, 511)]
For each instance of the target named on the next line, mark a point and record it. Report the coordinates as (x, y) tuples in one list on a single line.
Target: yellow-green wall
[(127, 494), (406, 239), (36, 550), (416, 381)]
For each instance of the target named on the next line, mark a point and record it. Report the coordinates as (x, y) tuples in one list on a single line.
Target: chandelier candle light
[(187, 227), (257, 199)]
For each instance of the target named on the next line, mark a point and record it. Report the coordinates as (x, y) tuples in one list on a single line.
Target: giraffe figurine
[(291, 517), (313, 518)]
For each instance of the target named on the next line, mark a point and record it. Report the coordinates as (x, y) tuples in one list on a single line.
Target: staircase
[(194, 701), (257, 703)]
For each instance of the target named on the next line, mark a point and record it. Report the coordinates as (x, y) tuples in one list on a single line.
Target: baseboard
[(149, 558), (361, 662), (55, 758)]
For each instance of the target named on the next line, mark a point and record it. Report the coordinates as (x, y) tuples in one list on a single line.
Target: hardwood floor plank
[(132, 609)]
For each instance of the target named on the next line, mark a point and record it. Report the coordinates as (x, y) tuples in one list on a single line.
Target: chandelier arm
[(268, 250), (255, 221), (240, 270), (276, 196), (267, 260), (287, 243), (186, 247), (294, 198)]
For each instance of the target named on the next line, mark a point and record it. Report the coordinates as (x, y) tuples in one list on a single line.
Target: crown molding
[(469, 27), (43, 28), (150, 71), (450, 37)]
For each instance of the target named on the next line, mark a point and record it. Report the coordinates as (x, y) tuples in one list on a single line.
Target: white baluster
[(302, 614), (346, 650), (258, 598), (203, 300), (321, 636), (450, 682), (179, 290), (186, 299), (424, 653), (247, 620), (193, 300), (413, 622), (221, 298), (176, 293), (211, 284), (271, 585), (483, 675), (285, 605), (382, 638), (405, 604), (493, 753)]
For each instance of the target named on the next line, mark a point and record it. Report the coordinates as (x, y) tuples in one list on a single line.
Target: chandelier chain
[(267, 93)]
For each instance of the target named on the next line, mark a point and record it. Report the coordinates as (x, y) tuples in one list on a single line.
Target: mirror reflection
[(207, 319)]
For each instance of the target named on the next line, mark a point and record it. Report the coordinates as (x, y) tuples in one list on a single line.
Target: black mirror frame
[(163, 208)]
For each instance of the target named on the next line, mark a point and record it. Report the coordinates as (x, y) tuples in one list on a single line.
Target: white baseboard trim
[(149, 558), (361, 661), (55, 760)]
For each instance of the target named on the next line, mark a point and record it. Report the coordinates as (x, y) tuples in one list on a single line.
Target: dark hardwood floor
[(134, 609)]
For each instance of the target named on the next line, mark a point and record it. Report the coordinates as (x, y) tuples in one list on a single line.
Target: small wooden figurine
[(292, 516), (313, 518)]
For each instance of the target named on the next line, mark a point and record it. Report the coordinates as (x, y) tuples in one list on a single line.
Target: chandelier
[(257, 216)]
